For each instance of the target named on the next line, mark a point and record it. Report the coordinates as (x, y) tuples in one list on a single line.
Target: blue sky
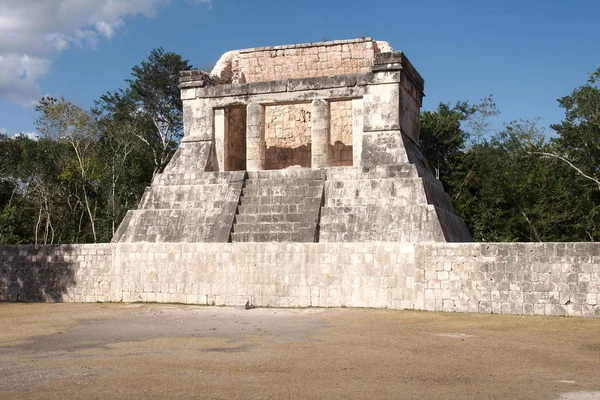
[(526, 53)]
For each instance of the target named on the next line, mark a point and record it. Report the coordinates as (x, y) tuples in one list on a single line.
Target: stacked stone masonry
[(302, 60), (280, 206), (61, 273), (501, 278), (357, 125), (340, 119), (288, 136)]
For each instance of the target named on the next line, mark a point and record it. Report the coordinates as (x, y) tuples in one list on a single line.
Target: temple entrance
[(230, 135), (288, 135), (340, 128)]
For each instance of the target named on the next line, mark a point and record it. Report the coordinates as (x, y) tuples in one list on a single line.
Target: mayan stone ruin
[(312, 142), (300, 183)]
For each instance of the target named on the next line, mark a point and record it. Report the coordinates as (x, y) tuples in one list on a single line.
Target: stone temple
[(314, 142), (300, 183)]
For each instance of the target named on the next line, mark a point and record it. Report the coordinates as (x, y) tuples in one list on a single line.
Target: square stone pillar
[(197, 120), (320, 135), (221, 136), (357, 131), (255, 137), (382, 136)]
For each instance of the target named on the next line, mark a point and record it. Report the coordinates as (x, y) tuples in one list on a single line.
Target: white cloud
[(30, 135), (32, 32), (3, 130)]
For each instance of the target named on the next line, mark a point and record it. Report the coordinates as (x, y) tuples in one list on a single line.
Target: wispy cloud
[(33, 32)]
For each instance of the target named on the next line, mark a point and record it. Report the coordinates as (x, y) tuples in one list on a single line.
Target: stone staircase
[(393, 203), (191, 207), (280, 206)]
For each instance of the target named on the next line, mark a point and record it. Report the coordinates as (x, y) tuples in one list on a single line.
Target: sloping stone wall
[(504, 278)]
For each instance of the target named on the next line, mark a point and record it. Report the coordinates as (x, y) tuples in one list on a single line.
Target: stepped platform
[(280, 206)]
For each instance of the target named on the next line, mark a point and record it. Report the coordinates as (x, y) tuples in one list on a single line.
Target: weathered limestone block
[(300, 60), (197, 120), (381, 108)]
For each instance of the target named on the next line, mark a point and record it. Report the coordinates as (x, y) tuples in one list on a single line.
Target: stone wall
[(306, 60), (288, 135), (529, 278), (63, 273), (511, 278), (504, 278), (340, 133)]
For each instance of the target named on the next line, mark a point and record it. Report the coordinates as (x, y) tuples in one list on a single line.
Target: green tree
[(151, 106), (61, 120), (441, 137), (577, 148)]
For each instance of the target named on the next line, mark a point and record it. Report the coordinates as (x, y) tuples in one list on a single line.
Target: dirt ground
[(135, 351)]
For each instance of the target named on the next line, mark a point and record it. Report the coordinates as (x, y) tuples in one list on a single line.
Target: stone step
[(363, 197), (376, 172), (197, 178), (270, 209), (386, 217), (267, 218), (277, 191), (373, 183), (259, 183), (371, 201), (272, 200), (264, 237), (184, 197), (170, 226), (332, 211), (267, 227), (181, 179), (366, 236), (303, 173)]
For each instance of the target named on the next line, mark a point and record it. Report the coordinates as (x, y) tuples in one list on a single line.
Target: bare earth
[(134, 351)]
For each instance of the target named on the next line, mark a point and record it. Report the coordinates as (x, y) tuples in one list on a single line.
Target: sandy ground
[(134, 351)]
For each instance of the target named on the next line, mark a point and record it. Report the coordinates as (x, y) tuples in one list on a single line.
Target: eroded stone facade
[(346, 111), (340, 119), (558, 279), (287, 136), (307, 60)]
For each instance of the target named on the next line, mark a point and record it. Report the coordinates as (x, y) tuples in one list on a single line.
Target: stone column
[(320, 135), (255, 137), (221, 136)]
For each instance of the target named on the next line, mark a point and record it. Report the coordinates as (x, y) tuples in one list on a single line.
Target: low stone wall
[(511, 278), (503, 278), (62, 273)]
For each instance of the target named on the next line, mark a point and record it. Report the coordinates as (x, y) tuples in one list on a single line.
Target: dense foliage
[(76, 182), (515, 184)]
